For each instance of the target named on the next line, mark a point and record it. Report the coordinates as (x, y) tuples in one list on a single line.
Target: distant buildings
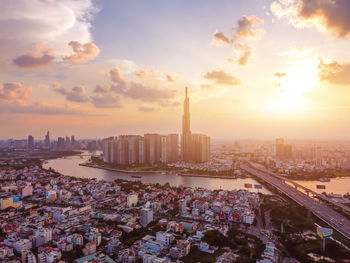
[(30, 145), (47, 140), (154, 148), (283, 151), (150, 149)]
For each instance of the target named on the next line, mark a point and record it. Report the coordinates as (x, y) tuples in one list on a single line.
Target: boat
[(136, 176), (325, 180)]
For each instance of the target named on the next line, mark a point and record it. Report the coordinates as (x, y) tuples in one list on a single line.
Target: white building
[(182, 206), (27, 256), (164, 238), (146, 216), (132, 200), (22, 245)]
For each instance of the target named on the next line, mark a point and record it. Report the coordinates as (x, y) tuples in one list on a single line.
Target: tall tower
[(186, 137), (47, 140)]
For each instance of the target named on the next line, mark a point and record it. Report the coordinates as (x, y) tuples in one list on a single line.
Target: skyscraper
[(30, 143), (47, 140), (152, 146), (172, 148), (186, 137)]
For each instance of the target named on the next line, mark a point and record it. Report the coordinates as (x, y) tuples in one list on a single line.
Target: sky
[(254, 69)]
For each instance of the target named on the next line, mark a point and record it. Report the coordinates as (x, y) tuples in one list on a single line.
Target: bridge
[(331, 217)]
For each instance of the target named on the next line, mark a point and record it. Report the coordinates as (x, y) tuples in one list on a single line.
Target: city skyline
[(255, 70)]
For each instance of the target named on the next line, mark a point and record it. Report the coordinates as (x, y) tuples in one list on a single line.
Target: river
[(70, 166)]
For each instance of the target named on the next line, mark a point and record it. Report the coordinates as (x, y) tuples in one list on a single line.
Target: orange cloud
[(15, 92), (221, 77), (82, 52), (280, 74), (106, 100), (245, 30), (139, 91), (170, 78), (142, 74), (329, 15), (244, 52), (40, 59), (334, 72), (76, 94)]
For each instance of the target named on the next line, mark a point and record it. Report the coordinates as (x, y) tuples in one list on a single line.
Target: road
[(321, 210)]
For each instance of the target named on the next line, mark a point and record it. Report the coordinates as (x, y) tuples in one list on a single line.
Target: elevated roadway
[(331, 217)]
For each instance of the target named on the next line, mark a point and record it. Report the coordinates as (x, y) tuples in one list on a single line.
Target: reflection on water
[(70, 166), (335, 186)]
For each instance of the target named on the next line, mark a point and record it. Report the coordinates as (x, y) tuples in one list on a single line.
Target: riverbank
[(158, 172), (118, 170), (209, 176)]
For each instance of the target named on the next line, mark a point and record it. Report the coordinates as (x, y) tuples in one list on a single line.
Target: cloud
[(334, 72), (54, 23), (41, 59), (82, 52), (221, 77), (14, 92), (246, 29), (142, 74), (280, 74), (170, 78), (14, 99), (106, 101), (147, 109), (36, 108), (244, 52), (220, 39), (76, 94), (116, 76), (324, 15), (102, 89), (139, 91)]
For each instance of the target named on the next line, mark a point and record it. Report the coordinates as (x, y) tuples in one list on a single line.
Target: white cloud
[(52, 23)]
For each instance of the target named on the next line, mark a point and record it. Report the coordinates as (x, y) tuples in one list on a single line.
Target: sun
[(290, 89)]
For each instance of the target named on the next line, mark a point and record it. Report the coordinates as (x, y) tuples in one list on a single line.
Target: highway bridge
[(320, 209)]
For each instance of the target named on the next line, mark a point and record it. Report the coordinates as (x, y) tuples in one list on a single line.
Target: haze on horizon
[(254, 69)]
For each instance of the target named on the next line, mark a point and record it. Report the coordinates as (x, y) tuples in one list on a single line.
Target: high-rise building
[(152, 146), (182, 206), (133, 148), (68, 142), (72, 140), (146, 216), (194, 147), (108, 150), (172, 148), (47, 140), (200, 147), (30, 143), (60, 143), (186, 137), (163, 149), (142, 158)]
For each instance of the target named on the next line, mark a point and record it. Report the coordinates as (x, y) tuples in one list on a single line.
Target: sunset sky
[(255, 69)]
